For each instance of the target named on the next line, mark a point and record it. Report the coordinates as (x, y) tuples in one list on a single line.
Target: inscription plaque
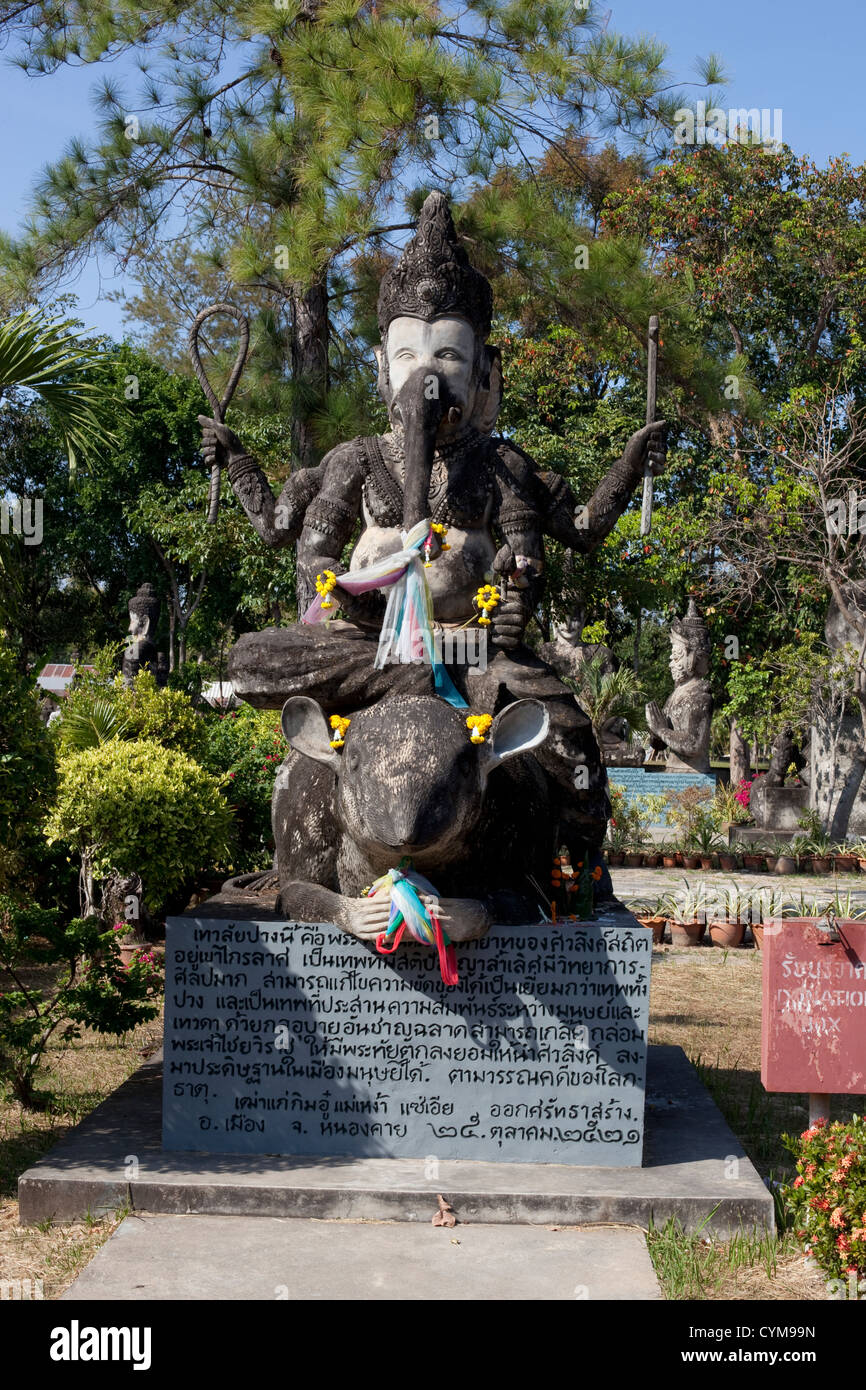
[(298, 1039)]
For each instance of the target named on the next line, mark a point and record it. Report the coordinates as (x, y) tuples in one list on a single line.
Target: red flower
[(798, 1182)]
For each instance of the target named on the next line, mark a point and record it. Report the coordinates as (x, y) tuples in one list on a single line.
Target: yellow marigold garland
[(486, 599), (324, 585), (339, 725), (479, 724)]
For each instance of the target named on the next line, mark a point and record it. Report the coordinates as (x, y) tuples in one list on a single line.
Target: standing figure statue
[(140, 653), (683, 726), (488, 509)]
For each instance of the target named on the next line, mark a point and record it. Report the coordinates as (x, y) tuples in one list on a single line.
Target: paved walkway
[(261, 1257)]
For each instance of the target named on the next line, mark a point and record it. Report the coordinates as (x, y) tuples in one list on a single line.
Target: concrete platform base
[(242, 1257), (694, 1170)]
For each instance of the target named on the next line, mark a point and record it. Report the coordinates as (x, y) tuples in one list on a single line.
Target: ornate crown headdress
[(433, 276), (146, 602), (692, 629)]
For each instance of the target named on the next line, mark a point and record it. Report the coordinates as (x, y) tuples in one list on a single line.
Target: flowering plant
[(828, 1195)]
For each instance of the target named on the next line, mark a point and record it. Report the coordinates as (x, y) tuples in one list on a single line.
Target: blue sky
[(802, 57)]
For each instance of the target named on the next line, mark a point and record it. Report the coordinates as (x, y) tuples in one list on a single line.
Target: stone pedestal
[(297, 1039)]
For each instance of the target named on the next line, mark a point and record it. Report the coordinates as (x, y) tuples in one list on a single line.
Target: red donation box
[(813, 1035)]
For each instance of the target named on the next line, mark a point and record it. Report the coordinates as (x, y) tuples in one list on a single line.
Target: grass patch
[(752, 1266), (78, 1075)]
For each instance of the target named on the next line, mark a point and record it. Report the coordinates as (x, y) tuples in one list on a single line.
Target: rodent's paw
[(366, 918)]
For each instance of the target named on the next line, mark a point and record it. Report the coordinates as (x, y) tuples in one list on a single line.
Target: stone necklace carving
[(459, 487)]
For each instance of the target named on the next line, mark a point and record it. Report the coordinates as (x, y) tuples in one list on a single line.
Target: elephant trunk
[(419, 407)]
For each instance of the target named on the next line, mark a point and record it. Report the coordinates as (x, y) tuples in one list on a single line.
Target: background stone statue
[(141, 653), (442, 383), (683, 726)]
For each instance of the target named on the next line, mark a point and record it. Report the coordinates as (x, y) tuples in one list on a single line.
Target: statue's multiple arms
[(277, 522), (584, 527)]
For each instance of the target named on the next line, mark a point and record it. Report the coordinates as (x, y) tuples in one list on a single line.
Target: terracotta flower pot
[(845, 863), (706, 861), (758, 936), (657, 927), (652, 861), (862, 863), (819, 865), (669, 861), (728, 862), (754, 861), (686, 933), (727, 934), (632, 860), (615, 858), (691, 861), (771, 862), (785, 864)]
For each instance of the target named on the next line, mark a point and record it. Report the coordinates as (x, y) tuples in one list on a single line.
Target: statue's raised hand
[(219, 444), (647, 445)]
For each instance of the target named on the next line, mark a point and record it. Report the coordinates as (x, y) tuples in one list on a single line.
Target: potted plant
[(617, 828), (683, 910), (764, 906), (729, 930), (860, 851), (633, 855), (844, 859), (706, 841), (754, 858), (787, 859), (652, 915), (728, 858), (669, 854)]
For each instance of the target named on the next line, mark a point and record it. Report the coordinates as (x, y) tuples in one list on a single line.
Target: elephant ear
[(516, 729), (489, 396), (306, 729)]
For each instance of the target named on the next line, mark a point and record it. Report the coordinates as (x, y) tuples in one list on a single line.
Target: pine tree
[(299, 137)]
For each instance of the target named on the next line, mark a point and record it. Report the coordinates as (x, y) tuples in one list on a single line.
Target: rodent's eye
[(353, 760), (465, 765)]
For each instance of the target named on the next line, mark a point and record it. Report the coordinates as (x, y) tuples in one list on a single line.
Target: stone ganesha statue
[(488, 509)]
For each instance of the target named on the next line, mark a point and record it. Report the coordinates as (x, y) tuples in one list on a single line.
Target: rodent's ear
[(516, 729), (306, 729)]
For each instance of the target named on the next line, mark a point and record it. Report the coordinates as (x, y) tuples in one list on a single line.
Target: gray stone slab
[(694, 1169), (241, 1258), (294, 1038)]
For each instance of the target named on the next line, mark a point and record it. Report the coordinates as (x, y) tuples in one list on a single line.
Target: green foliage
[(52, 361), (631, 818), (94, 712), (605, 695), (768, 691), (827, 1199), (245, 748), (140, 808), (27, 774), (91, 988)]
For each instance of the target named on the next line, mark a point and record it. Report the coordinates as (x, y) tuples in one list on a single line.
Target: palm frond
[(63, 370), (98, 722)]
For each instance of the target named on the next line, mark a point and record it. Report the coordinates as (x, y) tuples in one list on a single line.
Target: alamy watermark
[(740, 125), (22, 517)]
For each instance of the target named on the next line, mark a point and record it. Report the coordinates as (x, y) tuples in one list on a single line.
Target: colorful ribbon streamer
[(408, 911), (407, 628)]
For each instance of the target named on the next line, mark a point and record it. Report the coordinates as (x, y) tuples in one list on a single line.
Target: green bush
[(96, 710), (27, 773), (90, 988), (141, 808), (246, 747)]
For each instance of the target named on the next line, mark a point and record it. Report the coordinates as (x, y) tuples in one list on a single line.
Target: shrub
[(140, 808), (91, 988), (828, 1196), (27, 773), (246, 748), (96, 710)]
